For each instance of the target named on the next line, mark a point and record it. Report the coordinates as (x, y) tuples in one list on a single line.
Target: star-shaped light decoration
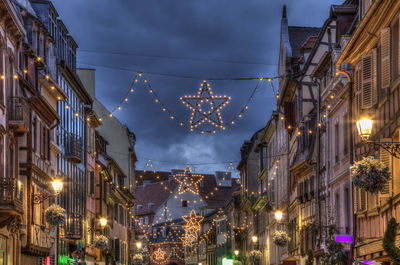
[(192, 227), (159, 254), (212, 113), (188, 181)]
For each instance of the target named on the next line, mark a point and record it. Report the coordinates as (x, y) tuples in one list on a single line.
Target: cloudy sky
[(169, 40)]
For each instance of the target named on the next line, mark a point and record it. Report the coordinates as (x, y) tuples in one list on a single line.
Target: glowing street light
[(278, 215), (103, 222), (254, 239), (364, 126), (57, 186), (236, 252), (138, 245)]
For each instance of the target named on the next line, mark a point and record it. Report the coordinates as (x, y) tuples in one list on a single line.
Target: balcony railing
[(18, 114), (73, 226), (73, 147), (10, 195)]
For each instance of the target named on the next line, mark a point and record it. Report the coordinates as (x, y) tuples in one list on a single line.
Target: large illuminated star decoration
[(192, 227), (202, 113), (188, 181), (159, 254)]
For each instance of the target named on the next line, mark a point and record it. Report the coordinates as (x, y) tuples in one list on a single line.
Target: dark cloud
[(216, 30)]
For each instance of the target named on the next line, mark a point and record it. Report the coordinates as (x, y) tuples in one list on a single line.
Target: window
[(337, 210), (139, 207), (347, 210), (141, 221), (146, 220), (92, 183), (116, 212), (336, 135), (155, 232), (345, 135), (184, 203), (173, 252)]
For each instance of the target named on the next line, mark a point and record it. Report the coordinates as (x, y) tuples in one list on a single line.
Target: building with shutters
[(111, 178), (249, 191), (39, 147), (307, 75), (12, 127), (373, 54)]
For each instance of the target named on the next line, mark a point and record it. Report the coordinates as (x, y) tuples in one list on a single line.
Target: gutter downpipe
[(351, 151)]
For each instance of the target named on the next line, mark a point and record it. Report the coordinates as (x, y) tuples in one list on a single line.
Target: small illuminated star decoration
[(191, 227), (159, 254), (188, 181), (212, 114)]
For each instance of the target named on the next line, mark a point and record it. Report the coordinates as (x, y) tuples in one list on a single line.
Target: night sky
[(172, 39)]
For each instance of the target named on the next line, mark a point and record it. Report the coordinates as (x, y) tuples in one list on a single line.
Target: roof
[(150, 175), (297, 37), (309, 43), (155, 192)]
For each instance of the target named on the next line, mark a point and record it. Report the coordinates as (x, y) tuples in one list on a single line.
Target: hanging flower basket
[(370, 174), (138, 259), (100, 242), (255, 255), (280, 238), (55, 215)]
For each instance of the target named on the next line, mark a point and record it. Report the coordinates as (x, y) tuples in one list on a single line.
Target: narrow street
[(213, 132)]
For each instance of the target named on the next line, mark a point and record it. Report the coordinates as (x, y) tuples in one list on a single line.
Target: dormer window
[(150, 205), (139, 207)]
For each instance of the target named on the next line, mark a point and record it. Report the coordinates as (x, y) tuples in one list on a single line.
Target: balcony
[(73, 226), (18, 115), (73, 148), (10, 198)]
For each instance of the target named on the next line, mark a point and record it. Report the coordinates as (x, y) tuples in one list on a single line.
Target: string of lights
[(191, 59), (190, 126)]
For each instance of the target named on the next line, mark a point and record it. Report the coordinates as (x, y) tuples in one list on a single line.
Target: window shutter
[(374, 77), (398, 52), (386, 158), (385, 57), (356, 200), (366, 82), (363, 200)]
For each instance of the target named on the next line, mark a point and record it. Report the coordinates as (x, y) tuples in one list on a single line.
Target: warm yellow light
[(254, 239), (138, 245), (236, 252), (364, 126), (278, 215), (103, 222), (57, 186)]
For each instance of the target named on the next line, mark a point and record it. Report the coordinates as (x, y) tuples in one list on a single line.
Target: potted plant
[(255, 255), (100, 242), (280, 238), (138, 259), (389, 242), (370, 174), (55, 215)]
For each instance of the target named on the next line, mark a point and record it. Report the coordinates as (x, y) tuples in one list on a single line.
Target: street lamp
[(57, 188), (138, 245), (364, 126), (103, 222), (236, 252), (254, 239), (278, 216)]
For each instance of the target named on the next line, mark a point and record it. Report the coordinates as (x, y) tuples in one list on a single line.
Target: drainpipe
[(351, 151)]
